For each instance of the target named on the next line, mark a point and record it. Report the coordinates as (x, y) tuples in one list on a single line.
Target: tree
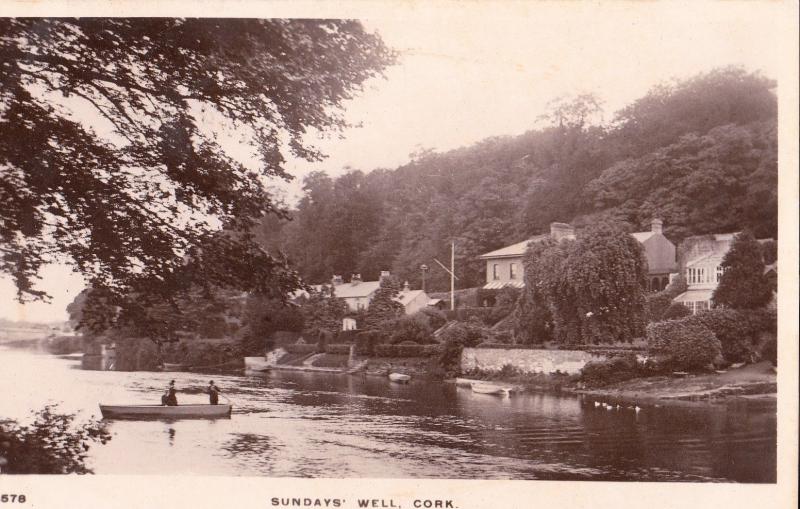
[(743, 284), (383, 308), (593, 288), (128, 191), (51, 444), (323, 312)]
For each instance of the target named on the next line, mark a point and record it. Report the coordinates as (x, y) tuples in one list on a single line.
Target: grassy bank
[(752, 380)]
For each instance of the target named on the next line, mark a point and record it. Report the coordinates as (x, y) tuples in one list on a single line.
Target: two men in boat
[(170, 398)]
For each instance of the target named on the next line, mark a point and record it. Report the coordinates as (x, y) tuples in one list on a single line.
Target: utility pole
[(424, 269), (452, 275), (452, 272)]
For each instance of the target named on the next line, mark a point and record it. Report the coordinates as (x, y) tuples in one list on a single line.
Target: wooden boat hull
[(165, 412), (399, 378), (490, 389)]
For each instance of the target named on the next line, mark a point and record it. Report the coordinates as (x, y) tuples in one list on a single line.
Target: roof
[(355, 291), (406, 298), (513, 250), (642, 236), (705, 257), (694, 296), (496, 285)]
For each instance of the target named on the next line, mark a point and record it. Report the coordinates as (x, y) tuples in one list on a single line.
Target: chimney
[(355, 279), (337, 280), (384, 273), (406, 287), (656, 225), (561, 231)]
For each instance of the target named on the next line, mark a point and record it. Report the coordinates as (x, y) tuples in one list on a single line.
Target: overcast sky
[(488, 69)]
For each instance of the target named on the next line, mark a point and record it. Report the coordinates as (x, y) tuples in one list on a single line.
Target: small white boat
[(165, 412), (481, 388), (399, 378)]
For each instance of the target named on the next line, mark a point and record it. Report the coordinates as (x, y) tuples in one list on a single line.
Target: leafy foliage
[(688, 344), (323, 312), (743, 284), (701, 154), (51, 444), (142, 182), (593, 287), (454, 339), (383, 309), (414, 328), (676, 311), (615, 369), (739, 331)]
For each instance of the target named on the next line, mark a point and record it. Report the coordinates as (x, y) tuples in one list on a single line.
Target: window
[(495, 272), (512, 271), (720, 271)]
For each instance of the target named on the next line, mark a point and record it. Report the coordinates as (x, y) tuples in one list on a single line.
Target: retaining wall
[(526, 360)]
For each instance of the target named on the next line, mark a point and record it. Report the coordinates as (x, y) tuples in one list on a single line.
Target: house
[(700, 260), (357, 294), (412, 300), (660, 254), (504, 265)]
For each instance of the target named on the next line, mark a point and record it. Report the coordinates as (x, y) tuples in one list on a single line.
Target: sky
[(480, 69)]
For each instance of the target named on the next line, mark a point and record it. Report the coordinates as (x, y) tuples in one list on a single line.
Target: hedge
[(406, 350), (688, 344), (464, 314), (739, 331), (338, 348), (301, 348), (365, 343), (616, 369)]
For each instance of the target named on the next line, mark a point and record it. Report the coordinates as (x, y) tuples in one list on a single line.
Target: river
[(290, 424)]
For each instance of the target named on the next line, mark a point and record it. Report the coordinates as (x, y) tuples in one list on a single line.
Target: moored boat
[(481, 388), (165, 412), (399, 378)]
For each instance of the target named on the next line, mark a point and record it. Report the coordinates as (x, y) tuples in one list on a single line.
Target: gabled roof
[(513, 250), (355, 291), (406, 298), (642, 236), (705, 257)]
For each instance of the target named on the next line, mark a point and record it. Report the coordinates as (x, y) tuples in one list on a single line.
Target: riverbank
[(752, 381)]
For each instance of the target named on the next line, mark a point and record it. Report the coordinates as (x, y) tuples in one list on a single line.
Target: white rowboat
[(165, 412), (490, 389), (399, 378)]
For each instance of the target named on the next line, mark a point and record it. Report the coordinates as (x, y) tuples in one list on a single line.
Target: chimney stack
[(656, 225), (337, 280), (355, 279), (561, 231), (406, 288), (385, 273)]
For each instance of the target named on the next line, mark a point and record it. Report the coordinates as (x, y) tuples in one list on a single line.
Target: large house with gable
[(504, 265)]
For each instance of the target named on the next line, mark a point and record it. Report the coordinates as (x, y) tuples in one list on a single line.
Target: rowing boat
[(490, 389), (165, 412), (399, 378)]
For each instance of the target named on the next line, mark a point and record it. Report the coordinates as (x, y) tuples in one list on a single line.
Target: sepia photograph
[(475, 241)]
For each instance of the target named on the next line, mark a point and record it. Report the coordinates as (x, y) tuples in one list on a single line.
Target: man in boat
[(172, 397), (165, 398), (213, 393)]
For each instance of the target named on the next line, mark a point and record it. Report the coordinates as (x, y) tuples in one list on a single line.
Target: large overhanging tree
[(112, 151)]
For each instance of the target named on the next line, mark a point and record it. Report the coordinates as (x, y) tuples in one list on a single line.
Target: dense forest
[(700, 153)]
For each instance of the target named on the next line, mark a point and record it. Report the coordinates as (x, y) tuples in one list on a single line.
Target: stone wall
[(526, 360)]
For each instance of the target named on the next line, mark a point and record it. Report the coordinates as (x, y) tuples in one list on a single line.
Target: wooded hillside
[(700, 154)]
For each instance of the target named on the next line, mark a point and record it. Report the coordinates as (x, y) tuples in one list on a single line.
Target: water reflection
[(320, 425)]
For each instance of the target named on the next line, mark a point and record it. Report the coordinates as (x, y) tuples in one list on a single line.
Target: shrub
[(210, 353), (455, 338), (405, 350), (365, 343), (52, 444), (435, 317), (409, 328), (770, 351), (484, 315), (688, 344), (347, 336), (338, 348), (739, 331), (615, 369), (675, 311), (658, 303)]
